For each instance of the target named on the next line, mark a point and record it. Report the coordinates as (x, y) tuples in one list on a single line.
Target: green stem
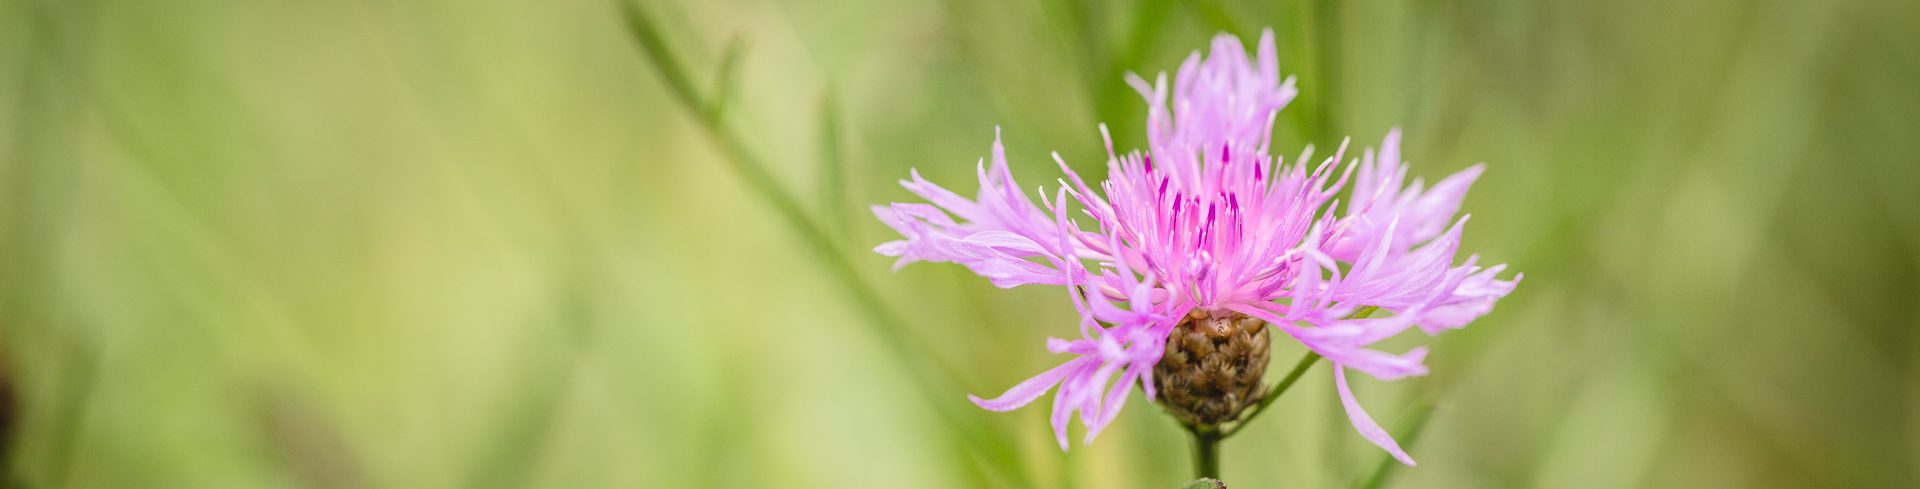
[(1299, 369), (1206, 454), (1206, 442)]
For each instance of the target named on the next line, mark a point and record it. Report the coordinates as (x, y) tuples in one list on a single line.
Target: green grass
[(459, 244)]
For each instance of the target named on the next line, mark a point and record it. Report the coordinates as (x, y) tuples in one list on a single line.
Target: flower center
[(1211, 371)]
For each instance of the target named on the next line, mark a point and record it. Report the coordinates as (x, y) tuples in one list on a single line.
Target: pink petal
[(1027, 391), (1364, 423)]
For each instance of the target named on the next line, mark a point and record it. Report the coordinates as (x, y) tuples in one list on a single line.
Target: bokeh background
[(488, 244)]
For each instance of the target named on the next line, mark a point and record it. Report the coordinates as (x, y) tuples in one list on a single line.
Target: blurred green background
[(482, 243)]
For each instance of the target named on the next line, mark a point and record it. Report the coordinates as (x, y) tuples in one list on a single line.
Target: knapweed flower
[(1202, 238)]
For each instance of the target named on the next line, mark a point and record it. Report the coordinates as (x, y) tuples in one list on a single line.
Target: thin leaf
[(641, 26), (933, 378), (726, 80), (833, 198)]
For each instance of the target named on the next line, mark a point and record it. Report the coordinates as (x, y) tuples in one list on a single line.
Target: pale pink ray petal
[(1363, 423)]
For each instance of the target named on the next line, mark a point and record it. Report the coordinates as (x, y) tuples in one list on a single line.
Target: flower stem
[(1206, 440), (1206, 454), (1299, 369)]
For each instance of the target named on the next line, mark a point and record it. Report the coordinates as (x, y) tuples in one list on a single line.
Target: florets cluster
[(1207, 223)]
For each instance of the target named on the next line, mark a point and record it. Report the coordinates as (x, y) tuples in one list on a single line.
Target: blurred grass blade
[(1147, 25), (931, 376), (54, 363), (1408, 435), (312, 446), (80, 376), (1080, 20), (1112, 97), (1326, 66), (640, 24), (1220, 17), (763, 184), (726, 79), (645, 33), (833, 186), (541, 387)]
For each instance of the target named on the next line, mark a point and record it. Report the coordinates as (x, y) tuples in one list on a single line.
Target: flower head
[(1207, 228)]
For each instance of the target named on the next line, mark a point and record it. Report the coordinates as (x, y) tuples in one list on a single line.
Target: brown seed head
[(1211, 371)]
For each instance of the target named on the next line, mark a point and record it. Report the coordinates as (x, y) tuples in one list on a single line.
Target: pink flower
[(1207, 220)]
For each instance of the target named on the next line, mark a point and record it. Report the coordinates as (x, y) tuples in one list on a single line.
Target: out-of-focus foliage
[(477, 244)]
